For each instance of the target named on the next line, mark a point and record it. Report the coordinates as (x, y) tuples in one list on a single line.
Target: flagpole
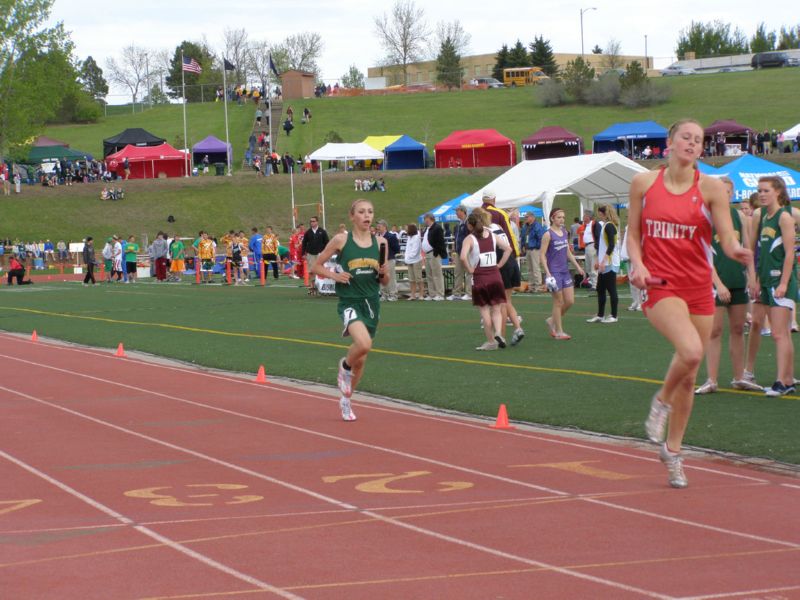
[(225, 103), (269, 107), (185, 140)]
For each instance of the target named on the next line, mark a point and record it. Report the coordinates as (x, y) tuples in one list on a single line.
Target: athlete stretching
[(357, 285), (669, 244)]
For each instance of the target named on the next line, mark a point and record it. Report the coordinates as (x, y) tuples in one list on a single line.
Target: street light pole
[(583, 10), (646, 60)]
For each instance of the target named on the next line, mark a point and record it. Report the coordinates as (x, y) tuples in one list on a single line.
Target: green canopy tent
[(51, 153)]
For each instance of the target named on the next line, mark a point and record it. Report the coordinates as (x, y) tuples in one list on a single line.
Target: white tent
[(345, 152), (593, 178), (792, 133)]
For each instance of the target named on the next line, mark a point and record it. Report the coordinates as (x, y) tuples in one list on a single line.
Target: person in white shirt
[(590, 250), (413, 260)]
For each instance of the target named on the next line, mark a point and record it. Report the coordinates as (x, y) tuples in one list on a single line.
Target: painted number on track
[(582, 467), (7, 506), (378, 483), (195, 494)]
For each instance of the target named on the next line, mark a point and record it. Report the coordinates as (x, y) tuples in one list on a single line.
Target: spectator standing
[(314, 242), (557, 254), (107, 254), (608, 261), (117, 258), (206, 162), (131, 250), (413, 261), (5, 178), (462, 280), (206, 250), (160, 255), (89, 261), (573, 234), (532, 233), (177, 252), (269, 249), (435, 249), (389, 288), (590, 248), (254, 245)]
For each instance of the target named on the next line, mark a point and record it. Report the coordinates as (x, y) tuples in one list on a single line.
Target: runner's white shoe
[(517, 337), (347, 410), (746, 384), (656, 423), (674, 464), (345, 380), (709, 387)]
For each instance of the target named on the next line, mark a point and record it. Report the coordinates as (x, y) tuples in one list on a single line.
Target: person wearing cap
[(389, 289), (500, 224)]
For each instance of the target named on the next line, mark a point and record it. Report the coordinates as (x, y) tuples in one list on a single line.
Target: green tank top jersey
[(363, 265), (731, 272), (771, 252)]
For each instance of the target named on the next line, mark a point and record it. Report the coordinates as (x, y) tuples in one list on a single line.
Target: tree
[(453, 31), (448, 65), (711, 39), (34, 60), (634, 75), (235, 48), (500, 63), (518, 56), (597, 49), (789, 38), (301, 52), (156, 96), (353, 78), (131, 70), (761, 40), (258, 62), (611, 57), (92, 80), (542, 56), (210, 75), (577, 77), (403, 34)]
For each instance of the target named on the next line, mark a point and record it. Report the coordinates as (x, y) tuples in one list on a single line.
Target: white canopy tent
[(593, 178), (337, 152), (792, 133)]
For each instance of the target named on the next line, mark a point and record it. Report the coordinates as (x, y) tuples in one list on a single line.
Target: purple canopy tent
[(551, 142), (217, 150)]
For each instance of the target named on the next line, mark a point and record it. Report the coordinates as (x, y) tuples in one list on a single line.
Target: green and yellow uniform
[(771, 255), (130, 252), (731, 272), (359, 300)]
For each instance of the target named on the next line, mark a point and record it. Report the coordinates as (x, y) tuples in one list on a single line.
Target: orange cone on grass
[(502, 419), (34, 336), (261, 377), (120, 351)]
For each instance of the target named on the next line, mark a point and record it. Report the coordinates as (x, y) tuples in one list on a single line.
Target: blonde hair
[(610, 213), (673, 129), (356, 203), (484, 215)]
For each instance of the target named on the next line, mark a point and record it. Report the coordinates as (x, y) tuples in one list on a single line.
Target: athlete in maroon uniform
[(669, 240)]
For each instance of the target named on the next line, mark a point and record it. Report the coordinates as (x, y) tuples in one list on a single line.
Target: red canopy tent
[(475, 148), (551, 142), (149, 162), (723, 135)]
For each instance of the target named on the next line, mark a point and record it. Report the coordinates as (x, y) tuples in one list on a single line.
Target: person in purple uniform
[(556, 251), (479, 255)]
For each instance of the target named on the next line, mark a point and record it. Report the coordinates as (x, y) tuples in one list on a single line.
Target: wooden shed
[(297, 84)]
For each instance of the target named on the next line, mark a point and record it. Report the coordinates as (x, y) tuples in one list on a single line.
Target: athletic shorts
[(738, 296), (178, 265), (366, 310), (130, 267), (563, 280), (207, 264), (510, 274), (108, 263), (788, 301), (700, 300)]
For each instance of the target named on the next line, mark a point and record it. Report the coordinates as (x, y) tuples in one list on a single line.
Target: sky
[(100, 29)]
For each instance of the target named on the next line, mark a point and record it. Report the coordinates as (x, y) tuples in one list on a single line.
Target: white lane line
[(754, 593), (454, 420), (420, 458), (789, 485), (340, 504), (177, 546)]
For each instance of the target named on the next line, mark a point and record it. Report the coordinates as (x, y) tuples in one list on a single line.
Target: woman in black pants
[(608, 261)]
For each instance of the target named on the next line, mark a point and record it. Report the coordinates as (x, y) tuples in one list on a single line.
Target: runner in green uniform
[(777, 281), (358, 278), (730, 291)]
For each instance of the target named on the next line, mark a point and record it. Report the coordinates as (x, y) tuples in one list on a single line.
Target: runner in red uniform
[(669, 239)]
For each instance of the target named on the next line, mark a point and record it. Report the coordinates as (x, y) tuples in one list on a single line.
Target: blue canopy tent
[(405, 153), (745, 172), (447, 211), (629, 139), (708, 169)]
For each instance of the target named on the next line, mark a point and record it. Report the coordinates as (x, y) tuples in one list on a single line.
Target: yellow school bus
[(516, 76)]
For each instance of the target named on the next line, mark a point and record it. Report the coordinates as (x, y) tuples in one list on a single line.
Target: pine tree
[(542, 56), (577, 77), (92, 80), (518, 56), (501, 62), (448, 65)]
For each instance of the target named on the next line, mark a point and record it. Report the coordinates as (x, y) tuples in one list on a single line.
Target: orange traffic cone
[(34, 337), (261, 377), (120, 351), (502, 419)]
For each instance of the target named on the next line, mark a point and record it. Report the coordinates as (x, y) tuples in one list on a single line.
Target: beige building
[(482, 65)]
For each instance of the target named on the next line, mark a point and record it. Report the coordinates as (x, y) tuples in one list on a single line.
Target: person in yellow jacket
[(269, 250), (205, 251)]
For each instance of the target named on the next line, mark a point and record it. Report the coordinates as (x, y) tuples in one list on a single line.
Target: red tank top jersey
[(676, 236)]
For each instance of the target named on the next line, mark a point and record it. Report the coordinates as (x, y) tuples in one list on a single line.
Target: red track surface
[(120, 478)]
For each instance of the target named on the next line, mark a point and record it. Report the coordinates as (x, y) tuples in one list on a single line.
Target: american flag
[(191, 65)]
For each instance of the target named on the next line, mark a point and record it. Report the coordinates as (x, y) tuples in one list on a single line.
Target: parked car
[(487, 81), (773, 59), (676, 70)]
